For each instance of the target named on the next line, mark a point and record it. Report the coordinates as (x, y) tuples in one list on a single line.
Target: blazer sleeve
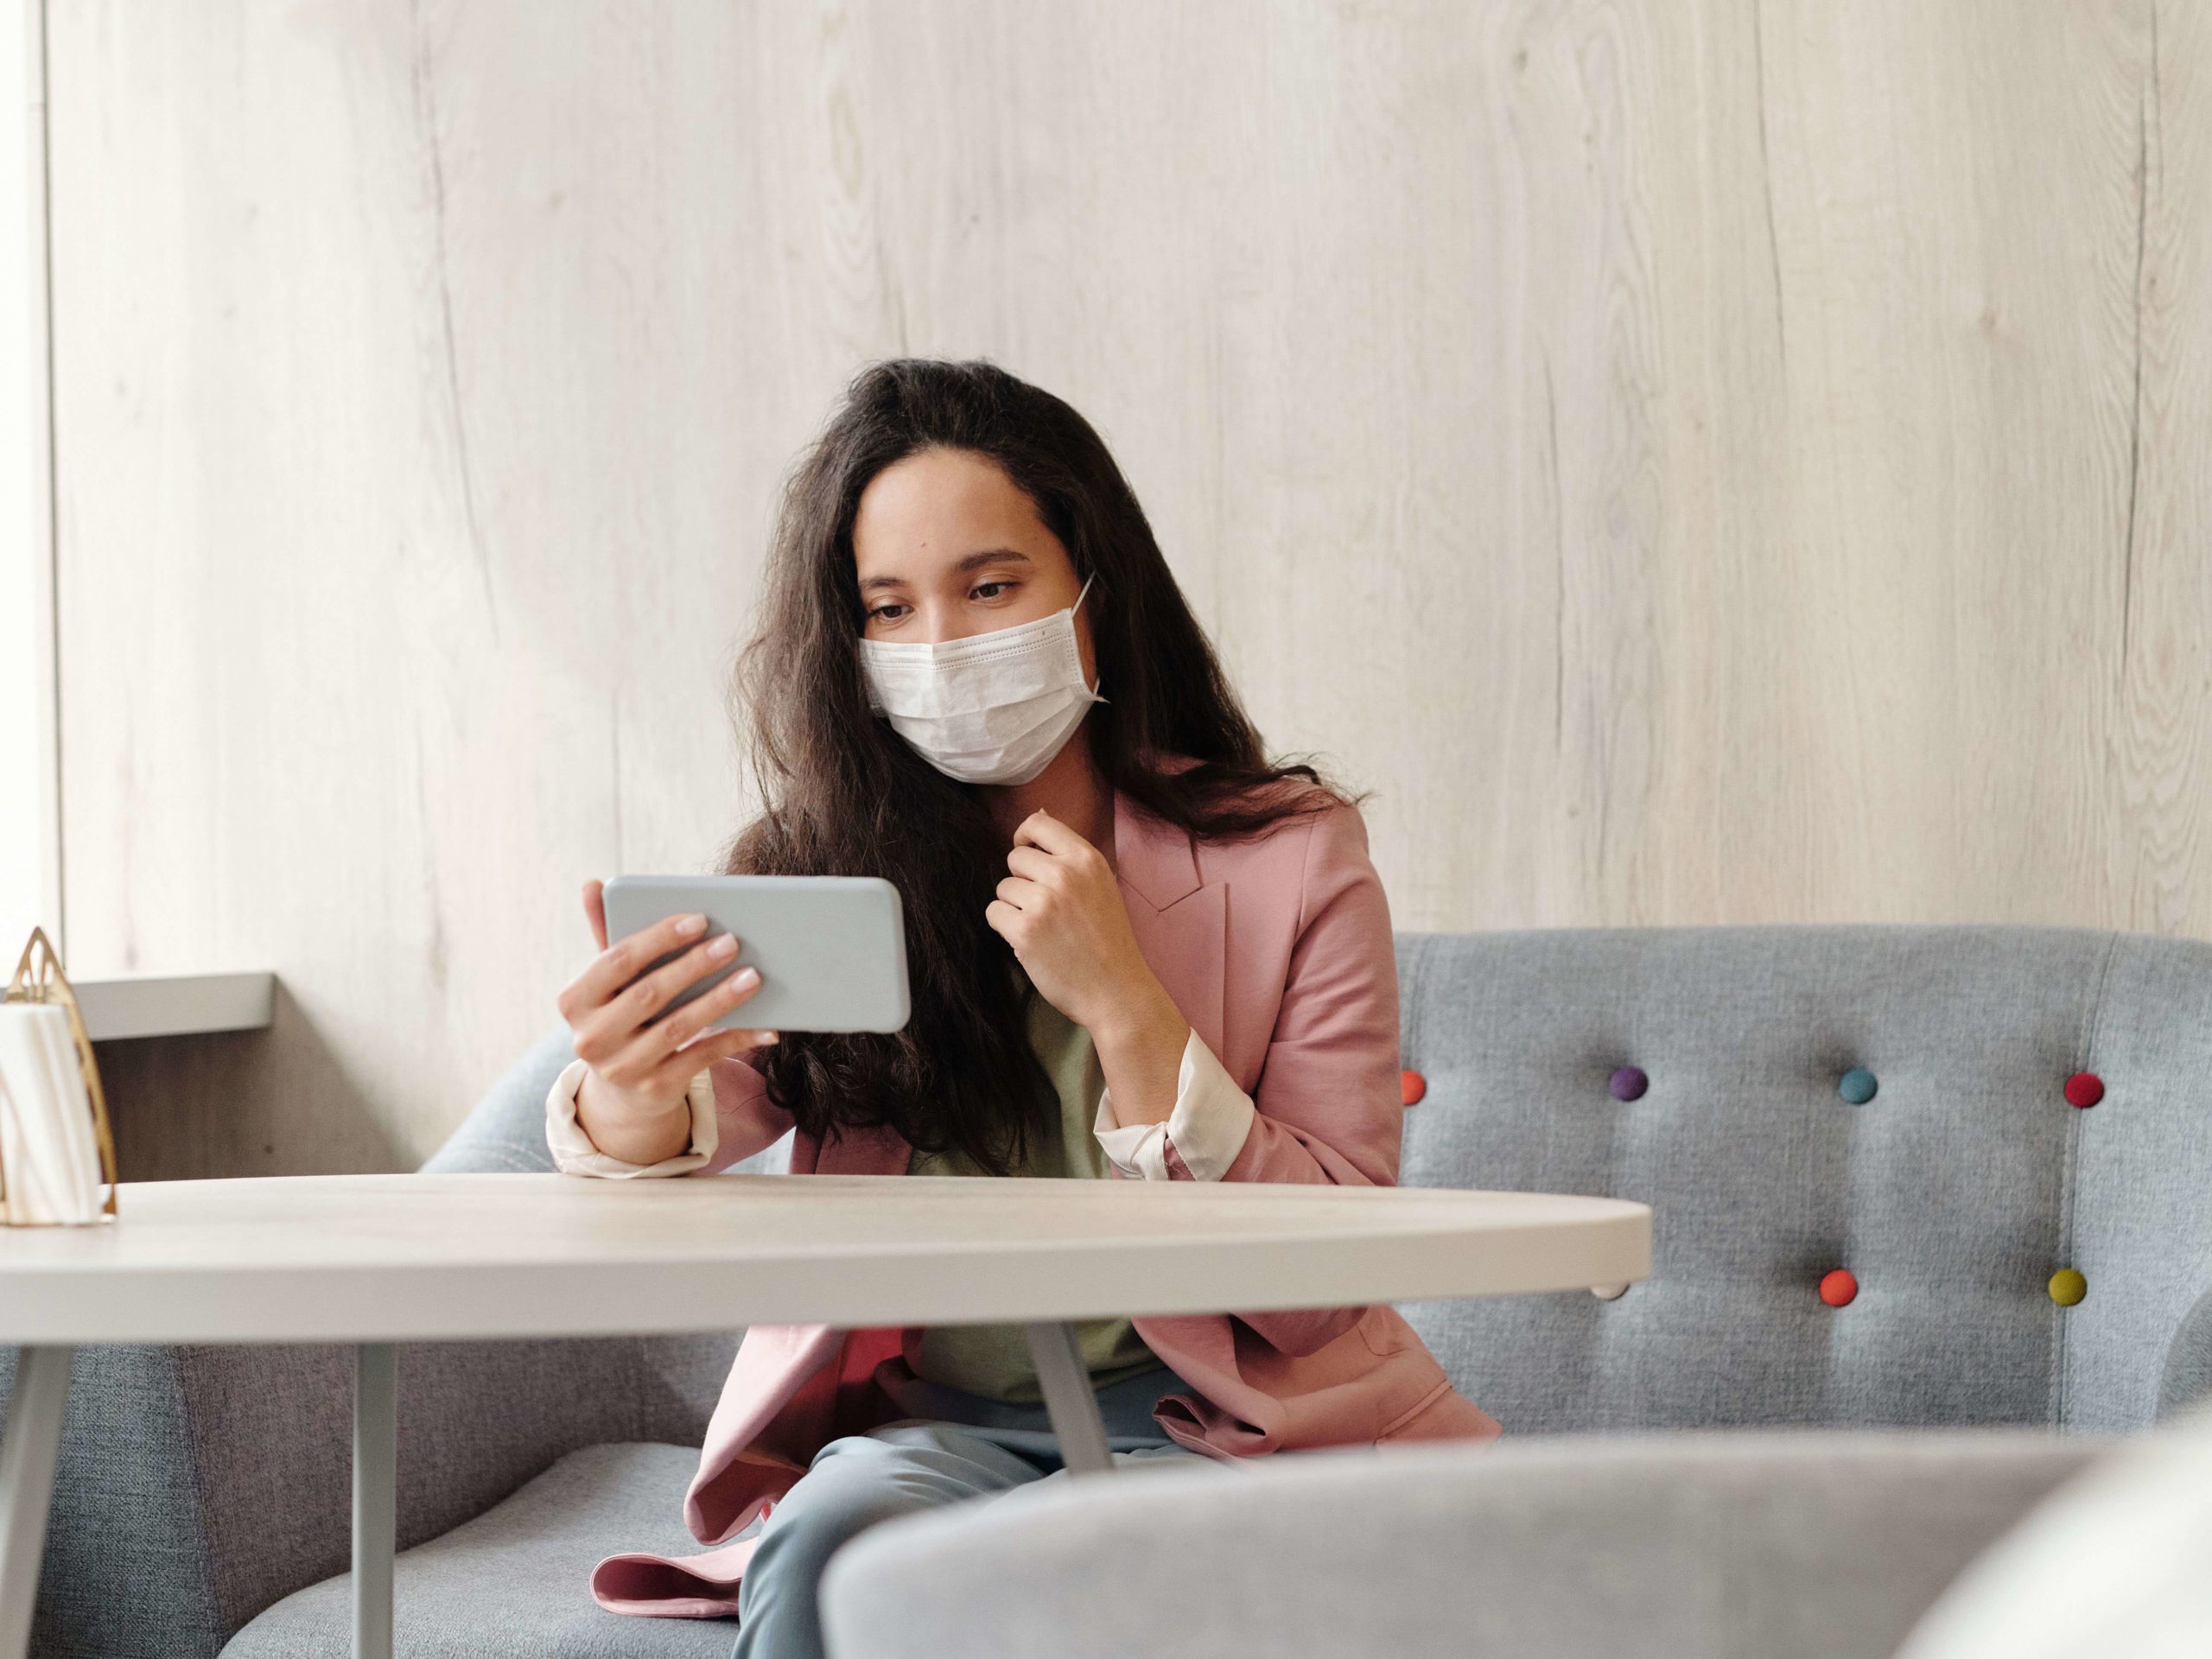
[(1329, 1109), (732, 1118), (1207, 1129)]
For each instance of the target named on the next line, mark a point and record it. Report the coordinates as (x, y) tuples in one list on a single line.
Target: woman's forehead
[(945, 512)]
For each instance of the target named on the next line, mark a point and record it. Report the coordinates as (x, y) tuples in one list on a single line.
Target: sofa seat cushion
[(514, 1582)]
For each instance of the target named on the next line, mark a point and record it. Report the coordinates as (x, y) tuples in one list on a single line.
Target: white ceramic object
[(50, 1149)]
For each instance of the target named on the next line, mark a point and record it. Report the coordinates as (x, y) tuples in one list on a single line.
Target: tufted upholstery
[(1953, 1194)]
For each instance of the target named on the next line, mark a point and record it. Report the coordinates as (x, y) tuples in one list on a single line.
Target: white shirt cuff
[(573, 1153), (1211, 1118)]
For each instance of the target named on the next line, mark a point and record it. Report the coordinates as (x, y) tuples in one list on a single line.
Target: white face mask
[(992, 709)]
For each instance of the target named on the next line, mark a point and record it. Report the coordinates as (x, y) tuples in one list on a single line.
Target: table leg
[(1068, 1398), (376, 1472), (28, 1452)]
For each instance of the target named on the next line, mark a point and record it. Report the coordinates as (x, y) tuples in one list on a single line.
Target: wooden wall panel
[(1696, 462)]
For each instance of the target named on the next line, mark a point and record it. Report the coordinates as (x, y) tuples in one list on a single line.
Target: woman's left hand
[(1061, 910)]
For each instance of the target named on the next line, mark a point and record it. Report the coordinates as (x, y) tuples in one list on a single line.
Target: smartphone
[(831, 949)]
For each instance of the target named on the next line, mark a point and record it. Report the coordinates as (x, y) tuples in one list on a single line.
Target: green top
[(993, 1360)]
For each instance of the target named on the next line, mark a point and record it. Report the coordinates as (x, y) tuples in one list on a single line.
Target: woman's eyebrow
[(974, 561), (992, 556)]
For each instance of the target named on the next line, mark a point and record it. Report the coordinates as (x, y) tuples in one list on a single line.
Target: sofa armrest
[(1822, 1544), (2187, 1381)]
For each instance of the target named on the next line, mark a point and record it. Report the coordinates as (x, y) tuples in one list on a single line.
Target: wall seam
[(38, 61)]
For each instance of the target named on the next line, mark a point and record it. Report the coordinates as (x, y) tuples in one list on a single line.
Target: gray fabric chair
[(199, 1486), (1775, 1544)]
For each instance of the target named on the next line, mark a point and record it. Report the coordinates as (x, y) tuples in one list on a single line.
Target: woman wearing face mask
[(1137, 947)]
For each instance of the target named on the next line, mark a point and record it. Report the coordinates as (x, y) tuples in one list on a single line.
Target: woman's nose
[(941, 623)]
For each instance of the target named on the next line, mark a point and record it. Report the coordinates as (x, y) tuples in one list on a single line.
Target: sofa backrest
[(1953, 1193)]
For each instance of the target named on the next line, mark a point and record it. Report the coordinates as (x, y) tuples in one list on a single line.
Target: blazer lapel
[(1181, 922)]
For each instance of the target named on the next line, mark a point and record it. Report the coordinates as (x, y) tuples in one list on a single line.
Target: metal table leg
[(28, 1452), (1068, 1399), (376, 1472)]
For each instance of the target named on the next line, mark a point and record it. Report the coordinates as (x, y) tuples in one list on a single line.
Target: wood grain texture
[(1696, 461)]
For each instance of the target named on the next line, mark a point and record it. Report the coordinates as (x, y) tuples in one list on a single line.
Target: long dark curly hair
[(842, 794)]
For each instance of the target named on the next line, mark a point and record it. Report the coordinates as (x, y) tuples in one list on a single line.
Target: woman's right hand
[(639, 1074)]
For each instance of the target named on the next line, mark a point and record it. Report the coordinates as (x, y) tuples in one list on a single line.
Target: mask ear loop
[(1073, 609)]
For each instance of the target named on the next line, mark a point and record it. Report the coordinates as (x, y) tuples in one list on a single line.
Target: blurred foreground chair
[(1779, 1544), (1808, 1543)]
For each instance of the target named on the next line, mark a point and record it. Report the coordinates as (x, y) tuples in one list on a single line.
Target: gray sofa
[(202, 1501)]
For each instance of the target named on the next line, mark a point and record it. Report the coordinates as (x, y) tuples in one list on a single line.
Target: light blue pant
[(957, 1446)]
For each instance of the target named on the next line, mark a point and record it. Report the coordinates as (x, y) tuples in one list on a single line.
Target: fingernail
[(691, 924), (724, 945), (745, 975), (761, 1039)]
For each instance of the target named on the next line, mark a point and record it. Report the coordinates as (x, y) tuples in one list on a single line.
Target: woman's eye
[(887, 613), (989, 589)]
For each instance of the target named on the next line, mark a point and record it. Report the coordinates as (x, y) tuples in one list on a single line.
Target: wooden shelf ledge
[(173, 1005)]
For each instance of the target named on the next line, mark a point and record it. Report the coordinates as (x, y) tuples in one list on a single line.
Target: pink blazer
[(1278, 952)]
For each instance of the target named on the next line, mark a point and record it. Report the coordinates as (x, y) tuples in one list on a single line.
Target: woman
[(974, 676)]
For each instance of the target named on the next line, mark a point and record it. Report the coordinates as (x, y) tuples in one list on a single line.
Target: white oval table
[(372, 1259)]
